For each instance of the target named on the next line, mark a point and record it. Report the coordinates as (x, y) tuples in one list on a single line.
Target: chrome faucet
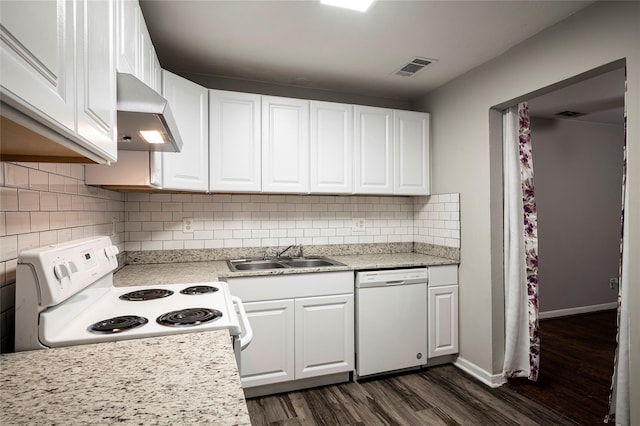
[(285, 250)]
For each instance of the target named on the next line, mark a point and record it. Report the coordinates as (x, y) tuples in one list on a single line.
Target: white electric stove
[(65, 296)]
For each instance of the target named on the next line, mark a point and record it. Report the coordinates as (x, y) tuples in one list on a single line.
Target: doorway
[(577, 137)]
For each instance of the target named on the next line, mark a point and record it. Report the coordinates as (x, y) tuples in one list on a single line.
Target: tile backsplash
[(47, 203), (157, 221)]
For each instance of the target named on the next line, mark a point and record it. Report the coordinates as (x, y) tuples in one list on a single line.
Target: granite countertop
[(192, 272), (187, 378)]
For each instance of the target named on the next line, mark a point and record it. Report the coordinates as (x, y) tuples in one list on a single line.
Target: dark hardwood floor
[(573, 387), (576, 364)]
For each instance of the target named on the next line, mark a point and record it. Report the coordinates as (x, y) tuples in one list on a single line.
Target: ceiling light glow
[(152, 136), (359, 5)]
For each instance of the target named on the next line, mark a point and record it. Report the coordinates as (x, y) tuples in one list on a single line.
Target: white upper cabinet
[(411, 153), (37, 63), (285, 145), (188, 169), (96, 75), (127, 35), (57, 68), (373, 150), (331, 148), (235, 141), (135, 52)]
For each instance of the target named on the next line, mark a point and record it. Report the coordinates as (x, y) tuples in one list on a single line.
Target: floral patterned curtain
[(522, 337)]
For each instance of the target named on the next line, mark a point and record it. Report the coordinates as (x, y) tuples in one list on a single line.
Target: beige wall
[(578, 175), (461, 146)]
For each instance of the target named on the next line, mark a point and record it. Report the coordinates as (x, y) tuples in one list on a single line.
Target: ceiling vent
[(569, 114), (413, 67)]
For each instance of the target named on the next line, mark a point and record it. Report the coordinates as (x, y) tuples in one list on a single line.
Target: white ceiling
[(304, 43)]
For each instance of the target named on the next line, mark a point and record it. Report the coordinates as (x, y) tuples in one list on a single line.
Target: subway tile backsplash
[(47, 203)]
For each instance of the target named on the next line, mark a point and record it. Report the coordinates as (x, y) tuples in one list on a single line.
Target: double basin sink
[(280, 263)]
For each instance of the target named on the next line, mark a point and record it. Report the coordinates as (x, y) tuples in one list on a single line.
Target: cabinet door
[(411, 153), (324, 335), (127, 35), (234, 132), (443, 320), (285, 145), (270, 357), (188, 169), (331, 154), (37, 66), (373, 150), (96, 75)]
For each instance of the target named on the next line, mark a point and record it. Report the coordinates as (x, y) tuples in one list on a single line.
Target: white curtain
[(619, 398), (520, 248)]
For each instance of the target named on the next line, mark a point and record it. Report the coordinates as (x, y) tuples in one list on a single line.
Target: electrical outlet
[(358, 225), (613, 282), (187, 225)]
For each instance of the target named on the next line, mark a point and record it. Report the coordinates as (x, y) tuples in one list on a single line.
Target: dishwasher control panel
[(391, 277)]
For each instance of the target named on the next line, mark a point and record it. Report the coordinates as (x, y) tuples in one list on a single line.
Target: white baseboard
[(492, 380), (578, 310)]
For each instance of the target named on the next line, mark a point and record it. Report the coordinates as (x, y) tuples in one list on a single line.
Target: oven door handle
[(247, 336)]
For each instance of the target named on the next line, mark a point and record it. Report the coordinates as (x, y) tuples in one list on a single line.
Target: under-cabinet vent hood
[(141, 109)]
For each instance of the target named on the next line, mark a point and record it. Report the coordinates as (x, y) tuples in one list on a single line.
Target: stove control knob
[(61, 271)]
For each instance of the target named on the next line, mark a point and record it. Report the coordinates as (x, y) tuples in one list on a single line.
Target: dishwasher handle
[(395, 282)]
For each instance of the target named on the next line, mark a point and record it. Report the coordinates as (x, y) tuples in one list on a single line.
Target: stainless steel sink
[(309, 263), (280, 263), (253, 265)]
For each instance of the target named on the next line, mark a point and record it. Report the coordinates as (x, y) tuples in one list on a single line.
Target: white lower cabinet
[(324, 335), (270, 356), (303, 326), (443, 310)]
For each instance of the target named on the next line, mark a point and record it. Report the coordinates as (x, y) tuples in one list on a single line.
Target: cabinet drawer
[(271, 287), (443, 275)]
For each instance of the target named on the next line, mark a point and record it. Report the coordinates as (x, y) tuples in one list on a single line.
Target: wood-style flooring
[(576, 364), (573, 387), (441, 395)]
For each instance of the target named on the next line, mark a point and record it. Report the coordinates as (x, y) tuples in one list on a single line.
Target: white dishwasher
[(391, 320)]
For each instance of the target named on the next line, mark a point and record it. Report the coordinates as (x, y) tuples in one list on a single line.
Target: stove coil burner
[(118, 324), (147, 294), (188, 317), (199, 289)]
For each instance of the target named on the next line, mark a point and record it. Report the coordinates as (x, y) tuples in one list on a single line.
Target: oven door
[(242, 341)]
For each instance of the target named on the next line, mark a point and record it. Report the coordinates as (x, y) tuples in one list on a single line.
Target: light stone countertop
[(188, 378), (194, 272)]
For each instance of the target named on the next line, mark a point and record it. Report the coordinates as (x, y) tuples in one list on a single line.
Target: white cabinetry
[(443, 310), (302, 326), (270, 356), (189, 169), (135, 52), (57, 68), (411, 153), (96, 74), (285, 145), (324, 335), (127, 35), (373, 150), (235, 141), (331, 148)]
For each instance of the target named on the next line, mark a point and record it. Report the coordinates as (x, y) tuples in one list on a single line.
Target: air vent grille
[(413, 67), (570, 114)]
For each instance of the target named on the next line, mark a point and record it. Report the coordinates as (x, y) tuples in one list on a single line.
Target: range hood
[(141, 109)]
